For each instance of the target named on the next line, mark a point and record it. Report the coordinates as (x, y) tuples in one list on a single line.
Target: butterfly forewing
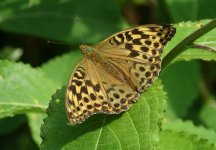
[(150, 36), (138, 50), (122, 66)]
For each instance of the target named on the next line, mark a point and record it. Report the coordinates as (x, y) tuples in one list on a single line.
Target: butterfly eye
[(82, 47)]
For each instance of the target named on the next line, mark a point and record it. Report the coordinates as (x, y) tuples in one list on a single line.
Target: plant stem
[(208, 48), (180, 47)]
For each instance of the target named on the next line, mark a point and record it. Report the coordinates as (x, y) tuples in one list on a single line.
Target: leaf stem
[(208, 48), (180, 47)]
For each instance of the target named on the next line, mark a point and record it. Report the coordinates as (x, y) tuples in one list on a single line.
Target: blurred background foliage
[(27, 25)]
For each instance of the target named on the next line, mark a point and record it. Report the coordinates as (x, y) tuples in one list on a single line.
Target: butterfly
[(111, 76)]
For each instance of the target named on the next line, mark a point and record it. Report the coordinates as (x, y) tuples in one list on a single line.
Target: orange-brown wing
[(93, 89), (152, 35), (141, 75), (127, 63), (138, 52), (141, 44)]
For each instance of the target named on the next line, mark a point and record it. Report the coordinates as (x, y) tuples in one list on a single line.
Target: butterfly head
[(87, 50)]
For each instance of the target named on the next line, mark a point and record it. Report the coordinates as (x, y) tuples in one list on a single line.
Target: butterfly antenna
[(58, 43), (78, 23)]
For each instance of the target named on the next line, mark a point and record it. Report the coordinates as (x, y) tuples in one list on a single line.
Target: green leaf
[(184, 29), (23, 89), (58, 19), (171, 140), (135, 129), (35, 120), (184, 78), (181, 82), (181, 135), (65, 65), (190, 128), (207, 114)]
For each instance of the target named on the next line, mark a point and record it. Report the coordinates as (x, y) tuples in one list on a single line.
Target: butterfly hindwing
[(141, 75), (120, 92), (88, 93)]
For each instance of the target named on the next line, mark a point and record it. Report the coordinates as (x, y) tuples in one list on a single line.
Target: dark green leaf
[(181, 81), (62, 20)]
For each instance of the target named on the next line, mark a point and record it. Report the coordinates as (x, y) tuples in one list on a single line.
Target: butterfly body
[(111, 75)]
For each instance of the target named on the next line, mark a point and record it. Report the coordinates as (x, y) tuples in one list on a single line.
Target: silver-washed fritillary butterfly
[(111, 75)]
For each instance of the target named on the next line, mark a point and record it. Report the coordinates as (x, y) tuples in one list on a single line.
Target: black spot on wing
[(72, 88), (137, 42), (136, 31), (121, 37), (116, 41), (144, 49), (144, 36), (128, 46), (128, 36), (96, 88), (133, 53), (77, 82), (148, 42), (84, 90), (156, 45)]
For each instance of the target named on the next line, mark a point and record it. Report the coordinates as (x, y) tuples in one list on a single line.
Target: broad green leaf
[(190, 128), (64, 64), (185, 78), (181, 82), (135, 129), (35, 120), (61, 20), (208, 113), (23, 89), (65, 69), (172, 140), (184, 29)]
